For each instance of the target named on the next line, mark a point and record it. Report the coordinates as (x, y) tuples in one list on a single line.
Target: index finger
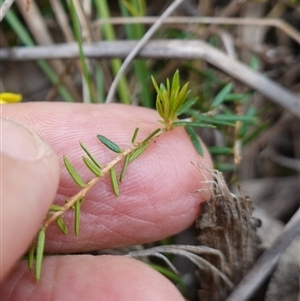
[(155, 197)]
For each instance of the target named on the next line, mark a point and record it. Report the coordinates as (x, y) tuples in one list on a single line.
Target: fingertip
[(85, 277)]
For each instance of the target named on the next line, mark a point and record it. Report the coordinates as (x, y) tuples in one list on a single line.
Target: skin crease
[(155, 202)]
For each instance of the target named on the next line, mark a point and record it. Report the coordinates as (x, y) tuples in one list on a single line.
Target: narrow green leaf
[(172, 276), (124, 167), (30, 259), (213, 120), (222, 95), (255, 62), (193, 124), (114, 181), (155, 84), (238, 97), (159, 107), (109, 144), (181, 97), (187, 105), (217, 150), (54, 207), (151, 135), (168, 87), (138, 152), (195, 140), (255, 133), (62, 225), (73, 173), (234, 118), (134, 135), (77, 216), (176, 80), (225, 167), (39, 253), (90, 155), (91, 166)]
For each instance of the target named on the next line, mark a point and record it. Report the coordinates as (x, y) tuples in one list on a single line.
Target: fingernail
[(19, 142)]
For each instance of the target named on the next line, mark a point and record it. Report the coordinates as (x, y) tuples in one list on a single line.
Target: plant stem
[(81, 194)]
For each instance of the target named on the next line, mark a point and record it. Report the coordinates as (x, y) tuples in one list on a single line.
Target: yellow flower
[(8, 97)]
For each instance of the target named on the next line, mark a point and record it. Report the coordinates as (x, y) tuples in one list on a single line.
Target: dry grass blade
[(167, 49), (5, 7), (188, 252), (278, 23), (41, 34)]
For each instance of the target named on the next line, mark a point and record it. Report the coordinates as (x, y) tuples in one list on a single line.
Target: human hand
[(155, 201)]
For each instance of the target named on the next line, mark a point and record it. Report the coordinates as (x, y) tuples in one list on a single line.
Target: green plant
[(171, 101)]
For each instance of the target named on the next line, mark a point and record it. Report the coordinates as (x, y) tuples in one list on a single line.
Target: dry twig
[(167, 49)]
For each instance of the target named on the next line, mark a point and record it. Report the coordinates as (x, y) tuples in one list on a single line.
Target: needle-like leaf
[(92, 166), (73, 173), (54, 207), (217, 150), (152, 135), (77, 216), (187, 105), (195, 140), (90, 155), (114, 181), (221, 96), (193, 124), (109, 144), (134, 135), (39, 253), (138, 152), (124, 167), (62, 225)]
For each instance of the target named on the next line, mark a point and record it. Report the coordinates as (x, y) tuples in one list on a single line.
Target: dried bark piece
[(226, 224)]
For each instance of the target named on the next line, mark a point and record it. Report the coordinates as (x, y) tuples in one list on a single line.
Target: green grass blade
[(73, 173), (136, 32), (83, 60), (39, 253), (172, 276), (195, 140), (108, 33), (109, 144), (114, 181), (26, 39), (99, 79)]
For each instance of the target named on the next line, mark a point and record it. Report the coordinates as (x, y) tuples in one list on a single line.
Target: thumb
[(29, 175)]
